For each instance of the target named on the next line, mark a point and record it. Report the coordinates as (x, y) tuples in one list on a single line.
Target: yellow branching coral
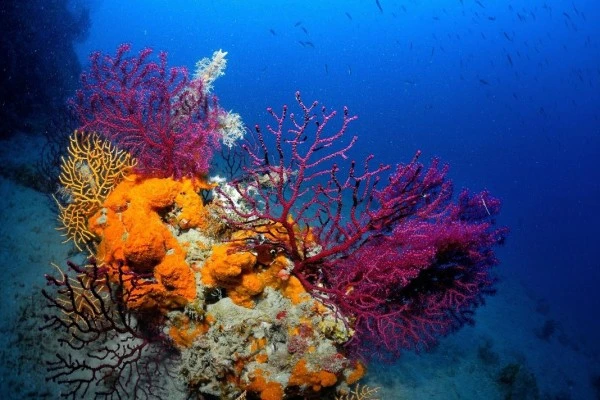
[(91, 170), (360, 393)]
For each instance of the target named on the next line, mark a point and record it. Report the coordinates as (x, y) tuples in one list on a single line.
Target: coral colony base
[(277, 282)]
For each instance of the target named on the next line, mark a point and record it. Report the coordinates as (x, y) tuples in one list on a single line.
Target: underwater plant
[(282, 281)]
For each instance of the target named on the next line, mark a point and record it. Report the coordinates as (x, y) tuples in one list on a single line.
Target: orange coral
[(268, 390), (87, 176), (356, 374), (134, 234), (301, 376), (184, 332), (238, 270)]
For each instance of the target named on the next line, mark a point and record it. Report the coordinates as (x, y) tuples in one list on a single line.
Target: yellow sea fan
[(359, 393), (91, 170)]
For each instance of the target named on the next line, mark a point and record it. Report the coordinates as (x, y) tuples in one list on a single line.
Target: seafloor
[(518, 348)]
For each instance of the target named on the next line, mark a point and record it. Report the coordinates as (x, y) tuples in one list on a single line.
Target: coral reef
[(278, 283)]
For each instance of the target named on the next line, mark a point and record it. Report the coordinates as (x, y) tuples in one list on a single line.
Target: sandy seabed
[(516, 350)]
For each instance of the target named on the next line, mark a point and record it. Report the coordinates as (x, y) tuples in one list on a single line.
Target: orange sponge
[(135, 237)]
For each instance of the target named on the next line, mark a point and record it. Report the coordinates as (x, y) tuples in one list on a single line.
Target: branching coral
[(91, 170), (403, 262), (155, 113), (121, 356), (360, 393)]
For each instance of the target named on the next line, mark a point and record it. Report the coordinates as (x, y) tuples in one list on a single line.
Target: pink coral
[(403, 262), (157, 114)]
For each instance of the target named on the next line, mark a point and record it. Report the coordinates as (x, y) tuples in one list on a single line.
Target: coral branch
[(91, 170), (169, 123), (404, 263), (109, 353)]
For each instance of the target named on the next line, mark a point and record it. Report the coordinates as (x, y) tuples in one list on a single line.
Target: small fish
[(483, 82), (492, 18), (302, 43), (349, 16), (510, 61), (349, 70), (479, 3), (507, 37), (305, 31), (272, 32), (310, 44), (297, 24), (379, 6)]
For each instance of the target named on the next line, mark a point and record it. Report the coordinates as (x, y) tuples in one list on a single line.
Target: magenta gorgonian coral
[(160, 116)]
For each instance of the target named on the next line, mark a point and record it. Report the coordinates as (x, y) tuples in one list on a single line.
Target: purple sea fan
[(424, 278), (169, 123)]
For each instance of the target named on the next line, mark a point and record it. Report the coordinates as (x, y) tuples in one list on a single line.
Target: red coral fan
[(404, 262), (157, 114)]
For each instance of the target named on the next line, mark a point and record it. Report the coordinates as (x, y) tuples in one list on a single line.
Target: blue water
[(506, 92)]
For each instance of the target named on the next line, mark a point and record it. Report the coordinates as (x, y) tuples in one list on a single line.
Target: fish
[(304, 29), (507, 37), (479, 3), (510, 61), (297, 24), (483, 82), (310, 44), (492, 18), (272, 32), (302, 43), (349, 70), (379, 6), (349, 16)]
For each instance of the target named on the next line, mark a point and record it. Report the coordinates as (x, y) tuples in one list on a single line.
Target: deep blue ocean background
[(506, 92)]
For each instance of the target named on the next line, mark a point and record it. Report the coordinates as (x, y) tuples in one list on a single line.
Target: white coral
[(231, 128), (209, 69)]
